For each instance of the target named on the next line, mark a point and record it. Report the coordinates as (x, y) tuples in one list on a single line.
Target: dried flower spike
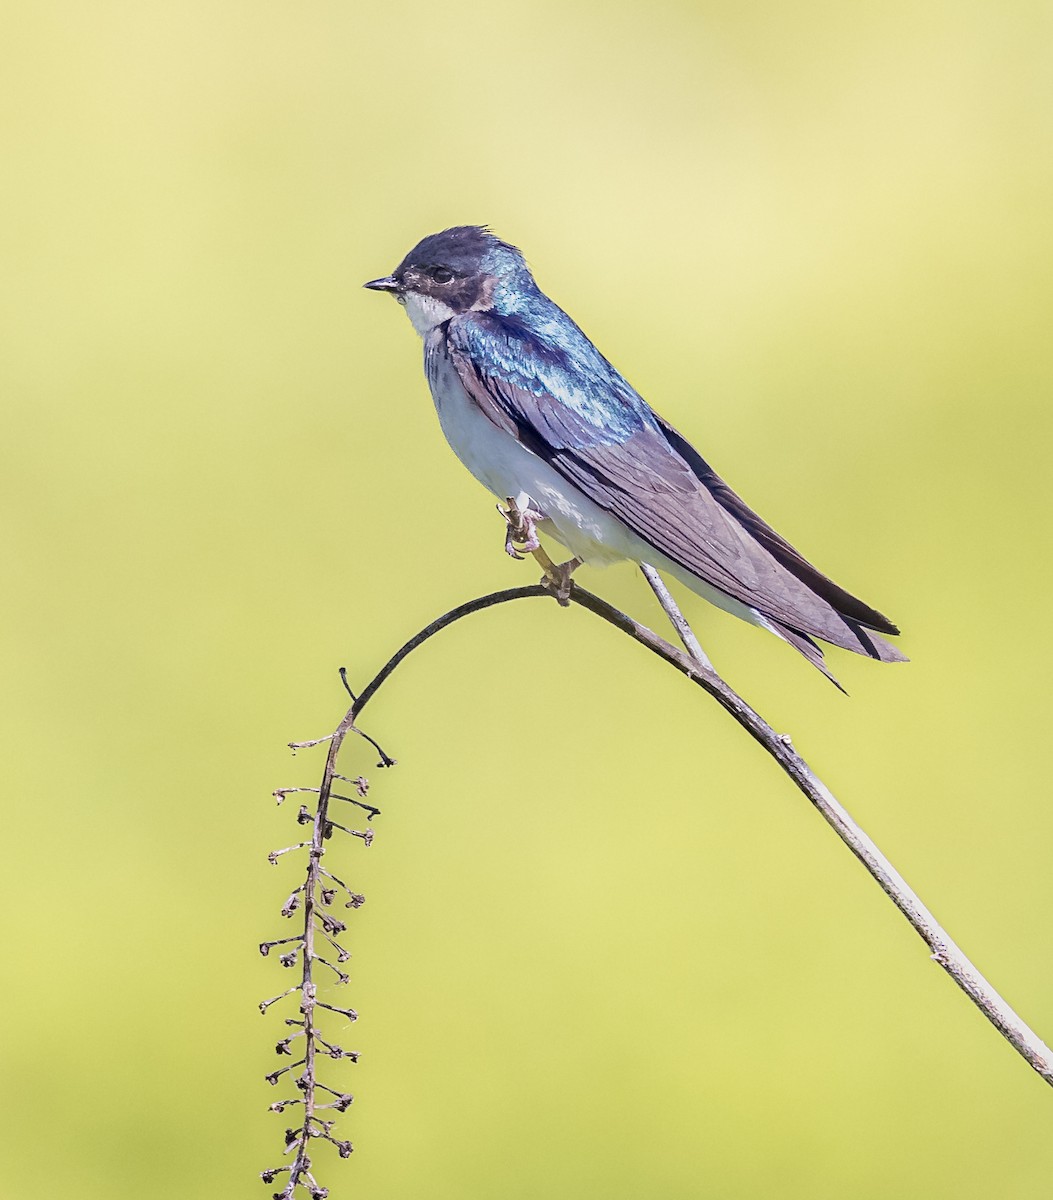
[(308, 903)]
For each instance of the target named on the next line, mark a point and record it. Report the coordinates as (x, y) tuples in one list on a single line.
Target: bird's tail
[(870, 644)]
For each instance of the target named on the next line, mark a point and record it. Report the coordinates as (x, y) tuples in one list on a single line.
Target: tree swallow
[(537, 414)]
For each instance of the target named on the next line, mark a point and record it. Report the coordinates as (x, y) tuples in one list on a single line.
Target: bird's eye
[(441, 274)]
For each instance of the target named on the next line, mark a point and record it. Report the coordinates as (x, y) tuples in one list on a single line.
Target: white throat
[(425, 312)]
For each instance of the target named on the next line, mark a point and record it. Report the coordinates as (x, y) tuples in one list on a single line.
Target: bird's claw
[(521, 539), (521, 533), (561, 585)]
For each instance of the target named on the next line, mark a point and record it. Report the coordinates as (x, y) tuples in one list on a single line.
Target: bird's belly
[(508, 469)]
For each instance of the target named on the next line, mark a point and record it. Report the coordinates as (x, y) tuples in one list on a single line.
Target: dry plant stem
[(672, 610), (779, 746), (301, 1165)]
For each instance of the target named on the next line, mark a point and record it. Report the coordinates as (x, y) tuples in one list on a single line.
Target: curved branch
[(944, 951), (448, 618)]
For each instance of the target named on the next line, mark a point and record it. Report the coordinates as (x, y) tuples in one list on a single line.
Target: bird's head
[(463, 268)]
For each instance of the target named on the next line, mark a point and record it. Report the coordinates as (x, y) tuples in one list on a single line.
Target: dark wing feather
[(845, 603), (639, 469)]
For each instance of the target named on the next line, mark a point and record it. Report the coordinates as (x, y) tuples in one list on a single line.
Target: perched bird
[(538, 415)]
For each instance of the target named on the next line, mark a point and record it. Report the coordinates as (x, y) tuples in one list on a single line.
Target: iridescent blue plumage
[(530, 342), (555, 362)]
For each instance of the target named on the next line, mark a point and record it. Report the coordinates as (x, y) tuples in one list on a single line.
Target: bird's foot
[(521, 532), (521, 539), (557, 580)]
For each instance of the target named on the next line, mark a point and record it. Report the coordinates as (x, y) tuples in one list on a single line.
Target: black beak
[(388, 284)]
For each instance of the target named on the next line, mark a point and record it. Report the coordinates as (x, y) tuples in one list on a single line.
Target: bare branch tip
[(347, 686)]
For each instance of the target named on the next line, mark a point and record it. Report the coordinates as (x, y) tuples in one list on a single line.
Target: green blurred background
[(608, 950)]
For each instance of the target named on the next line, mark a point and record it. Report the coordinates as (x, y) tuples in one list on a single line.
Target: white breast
[(504, 466)]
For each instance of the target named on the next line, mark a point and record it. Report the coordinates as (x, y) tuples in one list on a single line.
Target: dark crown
[(461, 248)]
